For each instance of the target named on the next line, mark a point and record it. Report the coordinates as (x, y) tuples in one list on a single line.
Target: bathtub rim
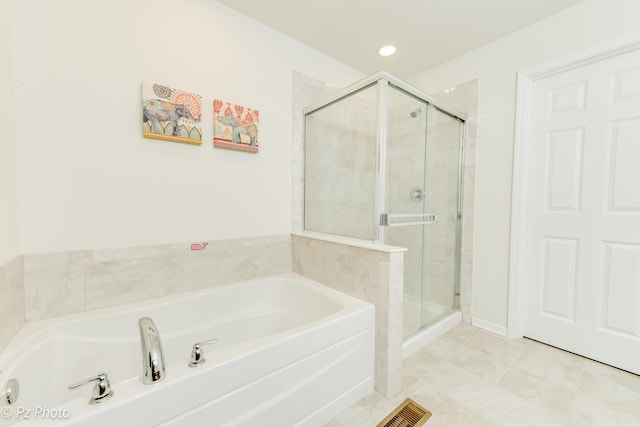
[(31, 334)]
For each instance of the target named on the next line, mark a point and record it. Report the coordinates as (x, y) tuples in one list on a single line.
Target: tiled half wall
[(373, 273)]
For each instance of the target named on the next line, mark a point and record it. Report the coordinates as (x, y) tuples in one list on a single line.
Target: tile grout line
[(575, 392), (494, 385)]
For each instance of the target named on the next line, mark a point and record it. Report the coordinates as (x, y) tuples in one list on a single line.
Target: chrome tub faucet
[(153, 369)]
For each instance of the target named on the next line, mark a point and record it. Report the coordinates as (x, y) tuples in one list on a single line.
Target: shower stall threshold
[(421, 338)]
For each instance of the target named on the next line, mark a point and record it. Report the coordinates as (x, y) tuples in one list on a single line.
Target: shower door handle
[(400, 220)]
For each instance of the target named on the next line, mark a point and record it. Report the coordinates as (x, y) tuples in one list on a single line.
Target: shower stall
[(383, 164)]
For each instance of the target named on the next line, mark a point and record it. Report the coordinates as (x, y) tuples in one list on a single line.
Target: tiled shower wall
[(406, 172), (443, 157), (340, 187), (464, 97), (306, 91), (12, 304), (61, 283)]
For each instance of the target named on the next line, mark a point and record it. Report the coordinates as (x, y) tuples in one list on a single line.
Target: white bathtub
[(290, 352)]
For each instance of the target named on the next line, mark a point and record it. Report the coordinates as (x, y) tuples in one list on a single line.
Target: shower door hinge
[(458, 216)]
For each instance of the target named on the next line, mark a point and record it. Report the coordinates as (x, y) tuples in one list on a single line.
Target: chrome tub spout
[(152, 357)]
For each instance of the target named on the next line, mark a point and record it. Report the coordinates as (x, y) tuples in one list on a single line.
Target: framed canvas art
[(171, 114), (235, 127)]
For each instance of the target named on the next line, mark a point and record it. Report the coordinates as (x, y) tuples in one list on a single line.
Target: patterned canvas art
[(235, 127), (171, 114)]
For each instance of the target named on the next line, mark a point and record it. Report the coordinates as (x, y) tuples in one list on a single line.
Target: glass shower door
[(340, 167), (422, 204)]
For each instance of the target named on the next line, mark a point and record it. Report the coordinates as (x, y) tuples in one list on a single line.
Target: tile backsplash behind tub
[(12, 307), (61, 283)]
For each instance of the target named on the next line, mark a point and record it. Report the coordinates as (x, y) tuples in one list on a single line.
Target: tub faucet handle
[(197, 356), (101, 391)]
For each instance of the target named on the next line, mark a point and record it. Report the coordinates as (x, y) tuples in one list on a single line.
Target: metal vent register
[(408, 414)]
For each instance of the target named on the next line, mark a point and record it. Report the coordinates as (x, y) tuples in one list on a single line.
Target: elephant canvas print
[(235, 127), (171, 114)]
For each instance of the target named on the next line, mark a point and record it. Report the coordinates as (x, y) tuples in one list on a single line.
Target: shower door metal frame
[(383, 80), (381, 163), (394, 81), (458, 276)]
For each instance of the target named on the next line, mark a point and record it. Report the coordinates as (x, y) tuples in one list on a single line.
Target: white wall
[(87, 177), (9, 236), (495, 65)]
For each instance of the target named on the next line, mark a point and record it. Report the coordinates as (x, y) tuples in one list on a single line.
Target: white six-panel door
[(582, 231)]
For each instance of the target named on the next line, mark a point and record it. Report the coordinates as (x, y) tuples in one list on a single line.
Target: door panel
[(620, 295), (560, 274), (564, 161), (623, 173), (582, 268)]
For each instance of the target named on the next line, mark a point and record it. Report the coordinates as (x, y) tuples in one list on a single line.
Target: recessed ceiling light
[(387, 50)]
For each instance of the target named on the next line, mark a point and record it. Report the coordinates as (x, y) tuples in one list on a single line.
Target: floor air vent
[(408, 414)]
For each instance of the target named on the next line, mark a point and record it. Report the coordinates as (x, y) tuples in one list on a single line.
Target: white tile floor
[(470, 377)]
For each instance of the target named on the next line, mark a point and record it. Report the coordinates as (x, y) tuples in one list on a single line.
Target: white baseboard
[(488, 326)]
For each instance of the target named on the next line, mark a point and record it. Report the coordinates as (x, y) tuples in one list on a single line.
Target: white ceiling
[(426, 32)]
